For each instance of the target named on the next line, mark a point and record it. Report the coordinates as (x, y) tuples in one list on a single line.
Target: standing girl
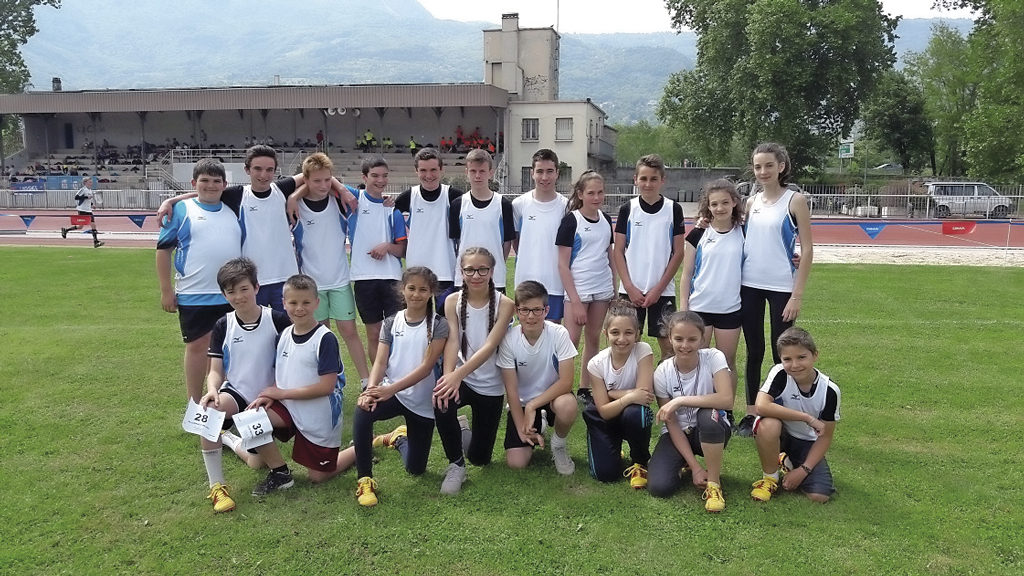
[(478, 318), (584, 243), (776, 218), (402, 382), (693, 390), (623, 377), (712, 264)]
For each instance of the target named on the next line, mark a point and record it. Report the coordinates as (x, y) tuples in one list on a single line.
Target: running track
[(117, 229)]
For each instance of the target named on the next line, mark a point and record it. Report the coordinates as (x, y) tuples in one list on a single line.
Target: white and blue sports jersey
[(407, 346), (247, 353), (821, 402), (537, 225), (670, 383), (483, 227), (486, 379), (429, 241), (204, 237), (83, 199), (268, 236), (588, 261), (649, 242), (371, 224), (320, 243), (717, 269), (300, 362), (770, 244), (536, 364)]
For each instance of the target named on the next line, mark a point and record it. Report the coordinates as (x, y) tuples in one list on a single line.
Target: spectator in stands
[(413, 146), (319, 137)]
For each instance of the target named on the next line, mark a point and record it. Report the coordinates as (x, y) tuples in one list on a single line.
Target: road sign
[(846, 150)]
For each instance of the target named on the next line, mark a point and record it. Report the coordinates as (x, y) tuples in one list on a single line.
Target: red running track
[(858, 232)]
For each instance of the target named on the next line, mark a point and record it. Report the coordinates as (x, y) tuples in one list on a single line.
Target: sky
[(580, 16)]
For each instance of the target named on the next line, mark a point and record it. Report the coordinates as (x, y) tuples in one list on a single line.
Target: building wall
[(522, 61), (573, 149)]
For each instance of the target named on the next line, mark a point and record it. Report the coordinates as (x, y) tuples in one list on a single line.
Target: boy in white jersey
[(306, 401), (377, 235), (83, 203), (798, 408), (482, 218), (428, 206), (320, 246), (537, 365), (537, 215), (261, 208), (242, 348), (649, 248), (203, 234)]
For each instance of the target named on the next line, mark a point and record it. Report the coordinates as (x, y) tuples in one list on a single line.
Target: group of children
[(440, 334)]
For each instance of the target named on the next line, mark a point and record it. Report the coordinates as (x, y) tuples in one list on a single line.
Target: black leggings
[(486, 417), (604, 439), (752, 302), (415, 448)]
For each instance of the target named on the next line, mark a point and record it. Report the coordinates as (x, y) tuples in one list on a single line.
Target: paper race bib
[(254, 428), (206, 423)]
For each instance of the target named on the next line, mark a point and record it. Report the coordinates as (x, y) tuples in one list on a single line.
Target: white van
[(967, 198)]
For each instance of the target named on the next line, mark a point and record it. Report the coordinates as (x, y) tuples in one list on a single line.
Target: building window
[(531, 129), (563, 128)]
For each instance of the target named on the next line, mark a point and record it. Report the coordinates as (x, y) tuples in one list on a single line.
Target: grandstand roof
[(256, 98)]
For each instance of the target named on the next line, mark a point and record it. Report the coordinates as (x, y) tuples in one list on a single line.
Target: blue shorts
[(556, 307), (819, 480), (271, 295)]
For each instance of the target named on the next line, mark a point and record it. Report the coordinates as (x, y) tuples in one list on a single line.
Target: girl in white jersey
[(776, 218), (585, 265), (621, 410), (693, 389), (478, 318), (712, 265), (402, 383)]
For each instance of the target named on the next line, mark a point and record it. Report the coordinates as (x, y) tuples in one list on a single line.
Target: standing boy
[(203, 234), (429, 206), (649, 248), (537, 366), (320, 245), (242, 348), (261, 205), (83, 199), (538, 214), (377, 235), (482, 218), (306, 401)]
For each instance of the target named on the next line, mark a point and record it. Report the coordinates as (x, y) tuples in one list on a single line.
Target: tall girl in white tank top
[(776, 218)]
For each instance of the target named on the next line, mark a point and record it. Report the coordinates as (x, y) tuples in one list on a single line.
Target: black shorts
[(512, 435), (658, 313), (92, 217), (198, 321), (727, 321), (376, 299), (819, 480)]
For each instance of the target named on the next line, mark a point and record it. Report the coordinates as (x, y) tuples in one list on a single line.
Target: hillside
[(99, 44)]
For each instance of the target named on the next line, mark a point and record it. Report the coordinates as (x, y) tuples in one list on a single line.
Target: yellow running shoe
[(764, 488), (714, 501), (388, 440), (366, 491), (222, 501), (637, 475), (785, 464)]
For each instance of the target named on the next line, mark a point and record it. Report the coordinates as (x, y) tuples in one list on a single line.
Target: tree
[(994, 129), (636, 140), (794, 71), (947, 72), (894, 116)]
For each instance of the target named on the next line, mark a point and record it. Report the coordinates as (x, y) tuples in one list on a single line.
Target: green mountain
[(110, 44)]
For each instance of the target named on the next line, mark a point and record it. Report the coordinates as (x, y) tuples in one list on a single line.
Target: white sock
[(558, 441), (214, 469), (774, 476), (230, 440)]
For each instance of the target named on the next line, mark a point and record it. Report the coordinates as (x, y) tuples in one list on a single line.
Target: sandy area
[(918, 255)]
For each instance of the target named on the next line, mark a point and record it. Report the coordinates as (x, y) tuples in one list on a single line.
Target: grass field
[(98, 477)]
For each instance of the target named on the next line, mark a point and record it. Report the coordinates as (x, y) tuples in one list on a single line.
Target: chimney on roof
[(510, 22), (56, 84)]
